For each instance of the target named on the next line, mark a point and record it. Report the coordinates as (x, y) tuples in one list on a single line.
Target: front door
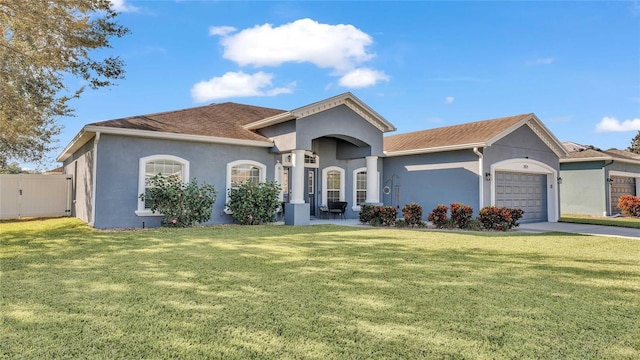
[(311, 191)]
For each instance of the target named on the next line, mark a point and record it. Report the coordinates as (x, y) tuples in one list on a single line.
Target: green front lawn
[(317, 292), (631, 222)]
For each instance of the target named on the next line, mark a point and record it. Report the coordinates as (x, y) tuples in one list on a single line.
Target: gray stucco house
[(593, 179), (511, 161), (331, 150)]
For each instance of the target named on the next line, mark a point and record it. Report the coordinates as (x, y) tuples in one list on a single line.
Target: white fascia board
[(273, 120), (78, 141), (347, 99), (434, 149), (601, 158), (175, 136)]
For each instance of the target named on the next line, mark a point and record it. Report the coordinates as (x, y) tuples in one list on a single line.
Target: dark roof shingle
[(469, 133), (224, 120)]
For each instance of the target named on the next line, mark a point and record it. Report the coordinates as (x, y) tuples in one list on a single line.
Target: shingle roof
[(224, 120), (586, 152), (469, 133)]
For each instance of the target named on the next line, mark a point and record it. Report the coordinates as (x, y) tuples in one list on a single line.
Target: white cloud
[(236, 84), (449, 100), (341, 47), (221, 30), (360, 78), (122, 6), (542, 61), (609, 124)]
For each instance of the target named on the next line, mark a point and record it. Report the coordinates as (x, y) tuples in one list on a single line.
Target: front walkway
[(542, 227)]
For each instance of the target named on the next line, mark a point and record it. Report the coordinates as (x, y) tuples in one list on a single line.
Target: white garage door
[(621, 185), (523, 191)]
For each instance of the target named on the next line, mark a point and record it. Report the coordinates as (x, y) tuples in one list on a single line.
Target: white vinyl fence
[(34, 195)]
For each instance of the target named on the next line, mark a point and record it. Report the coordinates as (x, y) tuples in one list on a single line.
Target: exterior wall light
[(487, 176)]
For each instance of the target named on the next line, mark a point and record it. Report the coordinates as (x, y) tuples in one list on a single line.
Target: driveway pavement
[(580, 229)]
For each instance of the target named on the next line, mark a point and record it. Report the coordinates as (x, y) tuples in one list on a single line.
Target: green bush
[(181, 204), (378, 215), (502, 219), (629, 205), (461, 215), (367, 213), (412, 214), (387, 215), (254, 204), (439, 216)]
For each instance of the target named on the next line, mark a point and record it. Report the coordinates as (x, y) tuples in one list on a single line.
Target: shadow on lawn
[(310, 292)]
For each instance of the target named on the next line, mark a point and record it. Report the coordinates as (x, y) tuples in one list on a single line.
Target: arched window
[(241, 171), (153, 165), (332, 184)]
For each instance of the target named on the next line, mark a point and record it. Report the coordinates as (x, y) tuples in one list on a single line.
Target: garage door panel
[(620, 186), (524, 191)]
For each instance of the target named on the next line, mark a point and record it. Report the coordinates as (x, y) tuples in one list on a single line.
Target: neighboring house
[(511, 161), (331, 150), (593, 180)]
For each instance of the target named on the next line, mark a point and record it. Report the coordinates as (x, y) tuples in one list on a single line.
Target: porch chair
[(338, 208)]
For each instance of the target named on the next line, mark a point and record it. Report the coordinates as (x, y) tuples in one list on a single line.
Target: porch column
[(373, 191), (297, 177)]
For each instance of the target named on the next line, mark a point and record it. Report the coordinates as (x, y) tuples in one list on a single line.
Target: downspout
[(606, 180), (93, 179), (480, 178)]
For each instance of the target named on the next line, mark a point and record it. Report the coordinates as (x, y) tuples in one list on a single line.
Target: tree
[(41, 43), (635, 144)]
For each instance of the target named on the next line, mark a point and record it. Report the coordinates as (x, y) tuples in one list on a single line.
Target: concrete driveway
[(580, 229)]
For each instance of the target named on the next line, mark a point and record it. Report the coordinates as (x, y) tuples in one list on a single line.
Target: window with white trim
[(241, 171), (332, 184), (153, 165), (360, 186)]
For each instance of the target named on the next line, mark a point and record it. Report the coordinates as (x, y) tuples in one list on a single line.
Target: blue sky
[(421, 65)]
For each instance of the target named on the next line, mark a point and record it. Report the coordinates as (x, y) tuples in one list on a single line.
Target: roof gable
[(465, 136), (347, 99)]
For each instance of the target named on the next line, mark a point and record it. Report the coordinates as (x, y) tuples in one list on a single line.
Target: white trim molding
[(532, 167), (324, 183), (142, 211), (354, 180)]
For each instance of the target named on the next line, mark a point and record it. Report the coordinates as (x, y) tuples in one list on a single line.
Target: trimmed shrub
[(181, 204), (367, 213), (461, 215), (439, 216), (412, 214), (254, 204), (629, 205), (386, 214), (502, 219), (378, 215)]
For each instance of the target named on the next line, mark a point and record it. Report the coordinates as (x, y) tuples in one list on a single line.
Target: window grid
[(333, 186), (361, 187), (244, 173), (155, 167)]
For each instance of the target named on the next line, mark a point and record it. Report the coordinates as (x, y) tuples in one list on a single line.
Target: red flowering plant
[(629, 205), (461, 215), (254, 204), (502, 219), (439, 216), (181, 204), (412, 214)]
